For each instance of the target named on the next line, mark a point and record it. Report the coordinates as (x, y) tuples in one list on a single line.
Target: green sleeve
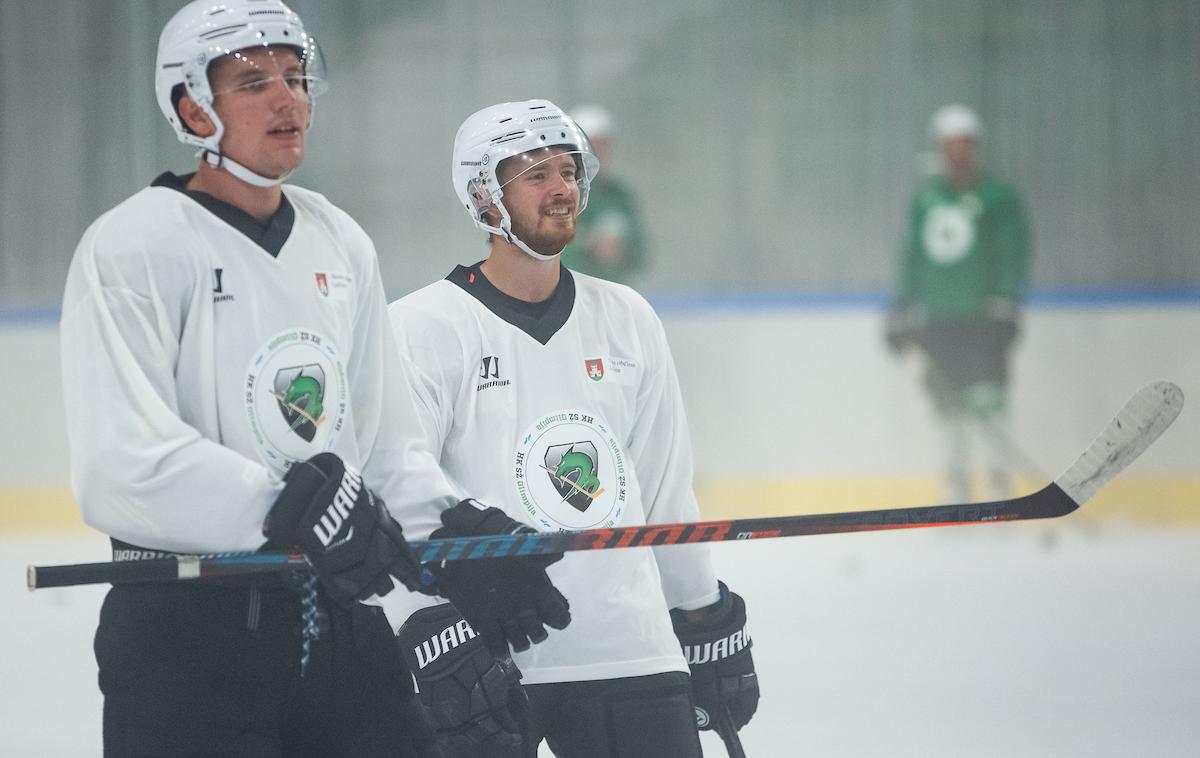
[(909, 288), (1013, 242)]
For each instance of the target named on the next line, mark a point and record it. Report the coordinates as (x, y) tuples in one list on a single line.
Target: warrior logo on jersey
[(322, 283), (300, 391), (594, 368), (570, 472), (219, 293), (574, 472), (296, 397)]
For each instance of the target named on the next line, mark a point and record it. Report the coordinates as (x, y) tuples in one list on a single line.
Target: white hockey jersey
[(198, 366), (567, 419)]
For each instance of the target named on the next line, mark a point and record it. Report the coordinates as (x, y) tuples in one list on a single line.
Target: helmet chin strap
[(217, 160), (510, 235), (529, 251)]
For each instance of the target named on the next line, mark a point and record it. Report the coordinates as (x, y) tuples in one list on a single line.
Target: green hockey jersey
[(611, 217), (963, 248)]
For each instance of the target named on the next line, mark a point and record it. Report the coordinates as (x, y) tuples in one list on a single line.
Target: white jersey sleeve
[(140, 470), (400, 451), (662, 454)]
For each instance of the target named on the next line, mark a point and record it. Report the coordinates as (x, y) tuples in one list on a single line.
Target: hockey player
[(964, 270), (223, 347), (609, 241), (553, 396)]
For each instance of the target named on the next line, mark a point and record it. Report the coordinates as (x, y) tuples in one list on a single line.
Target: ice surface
[(1057, 639)]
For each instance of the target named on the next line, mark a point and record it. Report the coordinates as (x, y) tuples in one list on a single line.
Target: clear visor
[(259, 70), (533, 163)]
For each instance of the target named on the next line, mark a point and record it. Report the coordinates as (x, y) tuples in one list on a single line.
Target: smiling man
[(553, 397)]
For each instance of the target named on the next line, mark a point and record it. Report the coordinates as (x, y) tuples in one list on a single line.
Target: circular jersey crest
[(949, 233), (570, 472), (295, 397)]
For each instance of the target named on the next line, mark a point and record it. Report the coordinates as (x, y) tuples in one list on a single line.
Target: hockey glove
[(717, 649), (355, 547), (509, 601), (472, 698), (904, 325)]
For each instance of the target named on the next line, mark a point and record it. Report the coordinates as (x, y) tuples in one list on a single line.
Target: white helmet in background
[(205, 30), (491, 135), (952, 121), (595, 121)]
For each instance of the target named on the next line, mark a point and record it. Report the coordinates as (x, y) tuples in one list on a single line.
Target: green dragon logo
[(574, 472), (300, 392)]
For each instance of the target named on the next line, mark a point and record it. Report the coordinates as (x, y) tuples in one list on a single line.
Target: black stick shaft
[(729, 734), (1046, 503)]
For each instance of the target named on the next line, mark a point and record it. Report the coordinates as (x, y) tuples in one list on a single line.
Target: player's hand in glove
[(355, 547), (472, 698), (1004, 318), (717, 648), (904, 324), (509, 601)]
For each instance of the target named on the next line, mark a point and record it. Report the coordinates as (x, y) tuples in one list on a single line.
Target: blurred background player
[(964, 270), (553, 394), (609, 241), (229, 370)]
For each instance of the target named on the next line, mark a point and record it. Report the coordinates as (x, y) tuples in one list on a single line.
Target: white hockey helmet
[(952, 121), (205, 30), (494, 134)]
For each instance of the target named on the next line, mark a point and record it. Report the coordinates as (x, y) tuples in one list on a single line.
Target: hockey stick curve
[(1144, 417)]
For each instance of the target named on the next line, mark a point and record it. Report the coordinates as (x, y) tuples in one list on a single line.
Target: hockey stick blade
[(1139, 423)]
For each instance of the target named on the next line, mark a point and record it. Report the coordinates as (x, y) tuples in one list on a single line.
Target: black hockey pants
[(214, 671)]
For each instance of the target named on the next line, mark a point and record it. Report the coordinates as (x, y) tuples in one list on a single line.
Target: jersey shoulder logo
[(569, 472), (489, 374), (594, 368), (219, 293), (334, 285)]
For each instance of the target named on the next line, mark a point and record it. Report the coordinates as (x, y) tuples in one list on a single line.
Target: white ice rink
[(998, 640)]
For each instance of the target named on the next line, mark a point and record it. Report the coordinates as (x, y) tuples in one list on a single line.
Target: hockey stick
[(1139, 423), (993, 433), (729, 734)]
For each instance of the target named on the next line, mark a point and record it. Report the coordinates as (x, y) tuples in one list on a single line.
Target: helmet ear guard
[(481, 201)]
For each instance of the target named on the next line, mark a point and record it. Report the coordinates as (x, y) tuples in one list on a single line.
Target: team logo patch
[(570, 472), (300, 392), (574, 471), (334, 285), (296, 396), (594, 368), (948, 233)]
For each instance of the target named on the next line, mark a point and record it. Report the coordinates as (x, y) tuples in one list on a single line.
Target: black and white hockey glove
[(509, 601), (326, 512), (716, 646), (472, 699)]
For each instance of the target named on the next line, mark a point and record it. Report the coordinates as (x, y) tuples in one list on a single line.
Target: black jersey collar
[(539, 320), (270, 236)]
